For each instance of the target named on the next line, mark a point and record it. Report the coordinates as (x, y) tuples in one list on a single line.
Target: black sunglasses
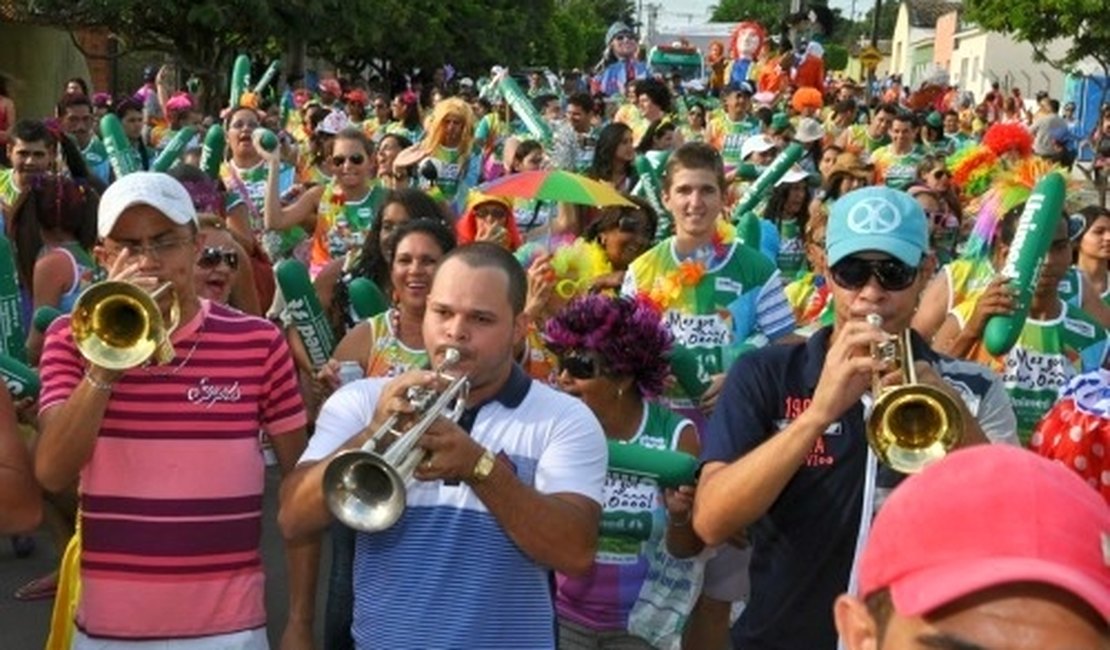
[(579, 366), (356, 159), (211, 257), (853, 273), (941, 173)]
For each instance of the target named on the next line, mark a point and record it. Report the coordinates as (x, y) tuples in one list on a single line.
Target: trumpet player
[(166, 454), (786, 455), (503, 495)]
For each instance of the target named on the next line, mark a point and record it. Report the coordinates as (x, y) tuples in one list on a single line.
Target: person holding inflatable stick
[(612, 355), (1018, 325)]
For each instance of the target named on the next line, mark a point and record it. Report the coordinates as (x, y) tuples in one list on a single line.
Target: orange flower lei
[(666, 290)]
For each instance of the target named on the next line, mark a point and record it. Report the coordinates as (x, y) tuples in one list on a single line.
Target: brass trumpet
[(367, 490), (118, 326), (912, 424)]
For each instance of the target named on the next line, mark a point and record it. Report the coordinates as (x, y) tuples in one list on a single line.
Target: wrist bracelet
[(100, 386)]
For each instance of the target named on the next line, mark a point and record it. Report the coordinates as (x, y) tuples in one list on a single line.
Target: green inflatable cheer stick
[(537, 127), (1035, 229), (173, 150), (212, 153), (668, 468), (776, 170), (21, 379), (748, 230), (303, 310), (43, 317), (367, 300), (267, 77), (12, 337), (117, 145), (240, 79)]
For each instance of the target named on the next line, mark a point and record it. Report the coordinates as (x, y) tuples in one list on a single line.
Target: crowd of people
[(772, 234)]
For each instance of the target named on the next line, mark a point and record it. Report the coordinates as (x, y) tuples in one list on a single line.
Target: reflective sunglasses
[(579, 366), (211, 257), (853, 273), (356, 159)]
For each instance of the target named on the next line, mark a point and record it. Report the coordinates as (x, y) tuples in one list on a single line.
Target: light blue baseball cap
[(877, 219)]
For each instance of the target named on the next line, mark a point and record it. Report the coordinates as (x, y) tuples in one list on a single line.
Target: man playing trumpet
[(509, 491), (786, 454), (170, 472)]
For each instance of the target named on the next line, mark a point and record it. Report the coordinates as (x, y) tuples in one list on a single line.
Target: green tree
[(769, 13), (1080, 24), (836, 57)]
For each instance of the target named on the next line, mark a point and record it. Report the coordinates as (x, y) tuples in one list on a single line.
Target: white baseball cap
[(160, 191), (793, 175), (755, 144)]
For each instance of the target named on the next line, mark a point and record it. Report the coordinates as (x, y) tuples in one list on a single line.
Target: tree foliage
[(390, 36), (769, 13), (836, 57), (1082, 24)]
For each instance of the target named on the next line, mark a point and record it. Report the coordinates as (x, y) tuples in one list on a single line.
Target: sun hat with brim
[(793, 175), (809, 130)]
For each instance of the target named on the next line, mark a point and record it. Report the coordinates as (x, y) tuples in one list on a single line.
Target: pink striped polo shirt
[(172, 497)]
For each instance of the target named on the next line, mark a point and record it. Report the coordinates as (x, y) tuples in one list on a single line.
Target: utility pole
[(652, 21)]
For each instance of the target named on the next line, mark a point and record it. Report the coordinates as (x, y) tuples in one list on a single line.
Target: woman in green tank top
[(392, 342), (612, 354)]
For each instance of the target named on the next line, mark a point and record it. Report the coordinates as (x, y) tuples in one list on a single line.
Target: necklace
[(148, 367)]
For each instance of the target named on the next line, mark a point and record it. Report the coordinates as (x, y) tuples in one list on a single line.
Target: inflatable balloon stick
[(1032, 238), (668, 468), (267, 77), (366, 298), (775, 171), (537, 127), (240, 79), (212, 153), (117, 145), (174, 149), (303, 310), (12, 337), (43, 317), (21, 379)]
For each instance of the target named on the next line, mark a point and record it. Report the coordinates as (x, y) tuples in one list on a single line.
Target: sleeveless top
[(388, 356), (84, 272), (341, 225)]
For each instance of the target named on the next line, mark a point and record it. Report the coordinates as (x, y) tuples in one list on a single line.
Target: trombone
[(912, 424), (118, 325), (366, 490)]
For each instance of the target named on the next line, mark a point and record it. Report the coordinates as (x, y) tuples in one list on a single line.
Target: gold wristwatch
[(484, 467)]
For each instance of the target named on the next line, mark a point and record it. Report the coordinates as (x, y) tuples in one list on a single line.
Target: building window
[(963, 71), (975, 70)]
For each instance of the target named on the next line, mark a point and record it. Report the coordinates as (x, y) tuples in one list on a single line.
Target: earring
[(620, 392)]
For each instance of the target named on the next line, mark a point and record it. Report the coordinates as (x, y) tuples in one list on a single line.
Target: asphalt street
[(23, 625)]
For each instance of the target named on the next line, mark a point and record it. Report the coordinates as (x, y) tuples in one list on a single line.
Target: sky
[(679, 12)]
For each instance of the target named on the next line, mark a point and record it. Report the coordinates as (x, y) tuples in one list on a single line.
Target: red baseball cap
[(983, 517)]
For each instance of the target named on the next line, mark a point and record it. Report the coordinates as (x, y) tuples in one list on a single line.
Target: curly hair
[(627, 334)]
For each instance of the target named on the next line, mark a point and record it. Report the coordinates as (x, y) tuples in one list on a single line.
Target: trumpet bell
[(363, 491), (117, 325), (913, 425)]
